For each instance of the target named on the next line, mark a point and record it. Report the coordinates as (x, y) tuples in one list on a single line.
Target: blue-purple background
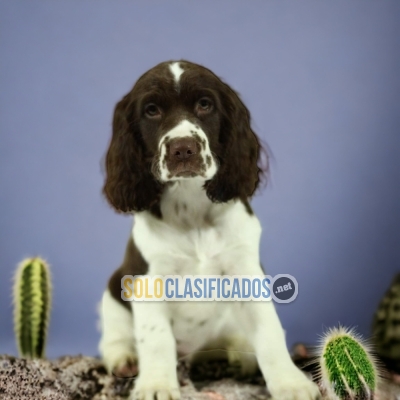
[(322, 81)]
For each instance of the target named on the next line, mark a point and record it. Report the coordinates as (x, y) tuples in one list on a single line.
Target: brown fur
[(133, 264)]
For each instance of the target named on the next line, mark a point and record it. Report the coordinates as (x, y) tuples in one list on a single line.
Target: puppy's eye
[(152, 110), (204, 105)]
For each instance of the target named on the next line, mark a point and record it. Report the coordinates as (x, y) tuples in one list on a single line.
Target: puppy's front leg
[(284, 380), (156, 353)]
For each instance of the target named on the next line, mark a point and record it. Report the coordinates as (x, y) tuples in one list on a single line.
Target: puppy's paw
[(293, 386), (126, 369), (121, 362), (155, 388)]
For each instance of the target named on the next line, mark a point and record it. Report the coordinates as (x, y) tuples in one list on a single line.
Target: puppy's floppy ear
[(129, 184), (239, 172)]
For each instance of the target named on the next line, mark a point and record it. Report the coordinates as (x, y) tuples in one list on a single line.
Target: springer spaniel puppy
[(184, 159)]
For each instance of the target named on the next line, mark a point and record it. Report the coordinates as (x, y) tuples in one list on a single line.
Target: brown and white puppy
[(185, 160)]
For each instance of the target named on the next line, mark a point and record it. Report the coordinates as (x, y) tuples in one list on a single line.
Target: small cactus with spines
[(348, 369), (32, 303)]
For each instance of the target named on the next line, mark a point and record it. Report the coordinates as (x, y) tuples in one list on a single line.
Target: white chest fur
[(196, 236)]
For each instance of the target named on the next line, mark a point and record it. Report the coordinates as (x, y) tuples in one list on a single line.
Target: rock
[(84, 378), (79, 377)]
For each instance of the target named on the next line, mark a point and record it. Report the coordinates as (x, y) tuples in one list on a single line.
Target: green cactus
[(348, 370), (32, 300)]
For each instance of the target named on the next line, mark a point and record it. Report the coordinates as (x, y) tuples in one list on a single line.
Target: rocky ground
[(84, 378)]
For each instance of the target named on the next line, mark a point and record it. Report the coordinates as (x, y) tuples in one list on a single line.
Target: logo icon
[(284, 288)]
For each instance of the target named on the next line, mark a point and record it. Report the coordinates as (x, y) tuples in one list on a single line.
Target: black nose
[(182, 148)]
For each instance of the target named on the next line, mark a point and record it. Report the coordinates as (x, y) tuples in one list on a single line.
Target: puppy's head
[(180, 121)]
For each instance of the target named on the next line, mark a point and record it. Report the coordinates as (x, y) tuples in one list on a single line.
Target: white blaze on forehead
[(176, 71)]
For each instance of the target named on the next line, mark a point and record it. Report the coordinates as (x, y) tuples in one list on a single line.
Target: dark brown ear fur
[(129, 184), (239, 173)]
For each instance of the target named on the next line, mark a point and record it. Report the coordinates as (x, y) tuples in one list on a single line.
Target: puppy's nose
[(182, 148)]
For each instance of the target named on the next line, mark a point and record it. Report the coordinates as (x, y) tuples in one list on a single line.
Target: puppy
[(184, 159)]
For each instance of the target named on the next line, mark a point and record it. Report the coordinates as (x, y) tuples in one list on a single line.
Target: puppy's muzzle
[(183, 157)]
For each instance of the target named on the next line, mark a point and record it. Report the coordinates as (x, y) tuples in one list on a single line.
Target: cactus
[(386, 327), (32, 299), (348, 370)]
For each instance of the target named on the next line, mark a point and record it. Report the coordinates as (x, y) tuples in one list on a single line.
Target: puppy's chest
[(198, 252), (197, 238)]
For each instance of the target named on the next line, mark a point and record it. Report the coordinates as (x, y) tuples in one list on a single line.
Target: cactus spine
[(348, 370), (32, 300)]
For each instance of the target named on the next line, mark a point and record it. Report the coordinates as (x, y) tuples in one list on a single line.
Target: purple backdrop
[(322, 82)]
